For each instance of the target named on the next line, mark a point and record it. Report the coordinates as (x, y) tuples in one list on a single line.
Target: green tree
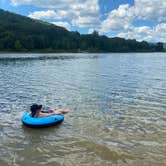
[(17, 45), (22, 33), (159, 46)]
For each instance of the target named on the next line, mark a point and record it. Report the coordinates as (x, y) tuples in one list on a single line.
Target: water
[(118, 104)]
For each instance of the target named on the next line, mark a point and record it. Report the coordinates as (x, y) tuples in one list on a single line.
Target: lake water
[(118, 104)]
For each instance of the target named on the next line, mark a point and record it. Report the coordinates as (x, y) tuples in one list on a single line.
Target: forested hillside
[(20, 33)]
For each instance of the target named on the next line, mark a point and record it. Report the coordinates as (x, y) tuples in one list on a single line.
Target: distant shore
[(28, 35), (71, 52)]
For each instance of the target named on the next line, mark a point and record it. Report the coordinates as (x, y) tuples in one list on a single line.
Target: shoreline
[(78, 52)]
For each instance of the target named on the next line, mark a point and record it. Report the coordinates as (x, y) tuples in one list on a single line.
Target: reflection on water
[(118, 104)]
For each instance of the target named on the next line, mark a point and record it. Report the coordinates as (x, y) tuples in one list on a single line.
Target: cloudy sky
[(139, 19)]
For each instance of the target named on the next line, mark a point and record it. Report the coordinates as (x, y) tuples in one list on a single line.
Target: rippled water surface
[(118, 104)]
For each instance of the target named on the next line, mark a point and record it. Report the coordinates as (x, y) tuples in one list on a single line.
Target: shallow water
[(118, 104)]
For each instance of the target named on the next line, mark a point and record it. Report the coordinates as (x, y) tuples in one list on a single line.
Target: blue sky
[(134, 19)]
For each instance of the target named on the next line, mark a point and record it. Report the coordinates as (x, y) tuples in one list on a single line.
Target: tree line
[(20, 33)]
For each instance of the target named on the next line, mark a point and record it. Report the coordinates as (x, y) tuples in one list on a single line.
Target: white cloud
[(138, 33), (85, 21), (118, 19), (91, 30), (62, 24), (44, 14), (80, 12), (122, 18), (160, 30), (49, 14), (150, 9), (154, 34), (41, 3)]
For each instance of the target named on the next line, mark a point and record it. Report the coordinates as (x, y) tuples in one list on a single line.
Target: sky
[(130, 19)]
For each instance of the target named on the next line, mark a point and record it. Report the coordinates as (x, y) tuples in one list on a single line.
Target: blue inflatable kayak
[(30, 121)]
